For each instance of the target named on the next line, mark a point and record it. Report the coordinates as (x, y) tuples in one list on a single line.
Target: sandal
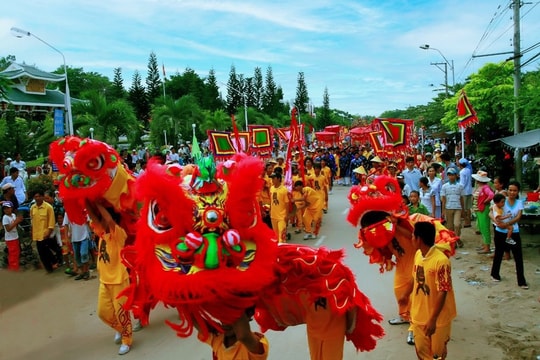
[(398, 321)]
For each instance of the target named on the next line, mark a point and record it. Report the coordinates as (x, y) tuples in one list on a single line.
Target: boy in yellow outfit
[(312, 211), (113, 276), (433, 304), (279, 207)]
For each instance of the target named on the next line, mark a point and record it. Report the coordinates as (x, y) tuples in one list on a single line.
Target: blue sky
[(366, 52)]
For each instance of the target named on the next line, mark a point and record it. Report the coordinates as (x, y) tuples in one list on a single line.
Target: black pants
[(500, 247), (48, 253)]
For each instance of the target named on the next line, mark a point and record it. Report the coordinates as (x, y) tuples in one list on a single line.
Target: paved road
[(56, 318)]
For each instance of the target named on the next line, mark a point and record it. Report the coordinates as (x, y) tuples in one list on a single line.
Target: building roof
[(15, 71), (54, 98)]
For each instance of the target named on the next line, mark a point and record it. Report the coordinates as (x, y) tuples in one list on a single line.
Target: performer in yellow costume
[(320, 184), (113, 276), (313, 210), (279, 207)]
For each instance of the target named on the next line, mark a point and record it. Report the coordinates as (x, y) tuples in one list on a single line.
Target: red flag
[(465, 112)]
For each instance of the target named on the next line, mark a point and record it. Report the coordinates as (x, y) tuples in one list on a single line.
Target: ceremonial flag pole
[(466, 117)]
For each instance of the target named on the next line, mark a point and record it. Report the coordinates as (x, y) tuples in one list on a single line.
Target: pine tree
[(258, 88), (234, 92), (117, 90), (212, 98), (301, 101), (249, 89), (270, 98), (138, 99), (153, 81), (325, 115)]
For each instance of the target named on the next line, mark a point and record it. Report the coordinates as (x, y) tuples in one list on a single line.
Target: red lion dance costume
[(386, 229), (92, 170), (202, 248)]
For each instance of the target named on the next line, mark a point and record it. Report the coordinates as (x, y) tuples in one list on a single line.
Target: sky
[(365, 52)]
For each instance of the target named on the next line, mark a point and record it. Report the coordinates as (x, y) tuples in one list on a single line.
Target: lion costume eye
[(157, 220), (96, 163)]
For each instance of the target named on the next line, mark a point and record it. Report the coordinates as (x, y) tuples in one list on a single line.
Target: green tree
[(217, 120), (301, 102), (324, 115), (153, 81), (187, 83), (81, 82), (271, 98), (175, 118), (258, 88), (117, 91), (109, 120), (234, 91), (139, 100), (211, 99), (529, 100)]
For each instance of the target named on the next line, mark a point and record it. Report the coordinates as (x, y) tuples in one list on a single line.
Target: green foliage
[(324, 114), (234, 92), (42, 182), (175, 117), (139, 99), (301, 102), (153, 81), (109, 120), (117, 91)]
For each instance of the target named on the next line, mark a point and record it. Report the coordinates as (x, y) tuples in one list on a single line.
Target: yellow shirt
[(327, 172), (313, 198), (320, 184), (237, 351), (279, 205), (265, 193), (432, 274), (42, 220), (110, 267)]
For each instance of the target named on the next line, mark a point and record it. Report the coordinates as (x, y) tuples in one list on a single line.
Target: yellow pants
[(280, 228), (111, 312), (426, 347), (312, 215), (328, 349)]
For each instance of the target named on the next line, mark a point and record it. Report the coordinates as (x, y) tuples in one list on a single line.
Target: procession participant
[(279, 207), (113, 276), (377, 166), (327, 172), (313, 210), (431, 295), (320, 184)]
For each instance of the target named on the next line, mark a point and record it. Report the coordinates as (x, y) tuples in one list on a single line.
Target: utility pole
[(517, 84)]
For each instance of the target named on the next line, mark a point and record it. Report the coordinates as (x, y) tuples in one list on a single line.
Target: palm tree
[(109, 121)]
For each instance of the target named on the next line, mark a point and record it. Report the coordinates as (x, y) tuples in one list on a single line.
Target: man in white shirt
[(17, 182), (18, 163), (411, 174)]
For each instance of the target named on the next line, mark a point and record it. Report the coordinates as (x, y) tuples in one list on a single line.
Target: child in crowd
[(67, 248), (498, 214), (10, 222), (415, 207)]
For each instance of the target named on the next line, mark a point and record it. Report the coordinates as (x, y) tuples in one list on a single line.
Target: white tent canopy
[(522, 141)]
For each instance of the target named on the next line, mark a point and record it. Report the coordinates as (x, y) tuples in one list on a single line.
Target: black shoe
[(83, 276)]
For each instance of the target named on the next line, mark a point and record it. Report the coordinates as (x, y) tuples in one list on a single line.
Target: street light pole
[(67, 98), (447, 64)]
